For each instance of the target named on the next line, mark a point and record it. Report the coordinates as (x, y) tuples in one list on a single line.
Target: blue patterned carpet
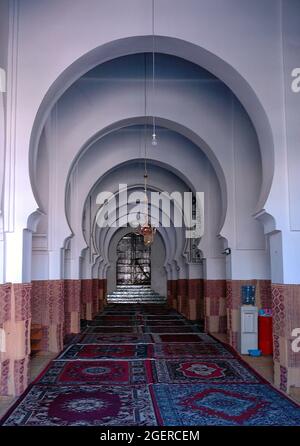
[(223, 405), (149, 366)]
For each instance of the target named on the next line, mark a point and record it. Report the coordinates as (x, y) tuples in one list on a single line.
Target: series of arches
[(84, 154)]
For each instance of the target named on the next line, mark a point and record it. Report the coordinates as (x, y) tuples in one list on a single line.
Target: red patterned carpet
[(148, 366)]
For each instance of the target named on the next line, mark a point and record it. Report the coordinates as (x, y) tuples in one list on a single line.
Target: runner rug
[(97, 372), (223, 405), (114, 338), (82, 405), (203, 370), (199, 349), (104, 351)]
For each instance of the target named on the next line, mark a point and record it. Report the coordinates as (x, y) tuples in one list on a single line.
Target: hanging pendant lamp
[(147, 230)]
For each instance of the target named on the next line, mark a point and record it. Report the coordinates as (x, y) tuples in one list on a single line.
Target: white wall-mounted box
[(248, 336)]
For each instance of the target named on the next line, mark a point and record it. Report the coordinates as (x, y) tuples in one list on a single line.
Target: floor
[(37, 364), (150, 366), (264, 366)]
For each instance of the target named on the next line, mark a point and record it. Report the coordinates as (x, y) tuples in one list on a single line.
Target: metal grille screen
[(134, 261)]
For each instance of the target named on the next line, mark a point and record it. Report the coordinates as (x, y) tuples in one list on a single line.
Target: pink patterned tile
[(5, 303), (4, 365), (22, 293)]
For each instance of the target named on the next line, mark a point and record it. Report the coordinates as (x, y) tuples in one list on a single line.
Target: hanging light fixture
[(146, 229), (154, 137)]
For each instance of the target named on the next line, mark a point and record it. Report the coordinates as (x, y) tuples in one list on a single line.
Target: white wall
[(158, 273), (4, 35), (206, 32)]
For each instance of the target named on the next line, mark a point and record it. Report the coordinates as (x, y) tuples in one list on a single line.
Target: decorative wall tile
[(5, 303), (55, 301), (276, 352), (95, 296), (283, 378), (4, 374), (182, 296), (48, 310), (22, 292), (195, 299), (265, 293), (20, 375), (278, 309), (72, 289), (215, 305), (72, 293), (286, 317)]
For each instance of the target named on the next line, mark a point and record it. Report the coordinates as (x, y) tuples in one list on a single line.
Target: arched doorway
[(133, 261)]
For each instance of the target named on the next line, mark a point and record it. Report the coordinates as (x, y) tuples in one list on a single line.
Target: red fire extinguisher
[(265, 332)]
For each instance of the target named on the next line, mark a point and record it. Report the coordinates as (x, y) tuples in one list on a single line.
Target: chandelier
[(146, 230)]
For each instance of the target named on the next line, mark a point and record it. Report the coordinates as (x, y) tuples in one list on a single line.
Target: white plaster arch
[(154, 182), (173, 245), (158, 181), (66, 234), (89, 178), (168, 45)]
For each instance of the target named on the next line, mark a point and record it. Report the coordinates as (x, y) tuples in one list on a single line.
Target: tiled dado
[(102, 293), (186, 296), (172, 293), (195, 299), (86, 299), (215, 306), (51, 305), (99, 287), (48, 312), (93, 294), (72, 293), (286, 317), (182, 296), (263, 299), (58, 305), (15, 320)]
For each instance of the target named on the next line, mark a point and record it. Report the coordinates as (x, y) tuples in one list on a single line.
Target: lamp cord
[(153, 64)]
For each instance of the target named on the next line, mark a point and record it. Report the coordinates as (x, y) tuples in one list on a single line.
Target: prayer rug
[(203, 370), (166, 323), (104, 323), (163, 317), (115, 339), (118, 312), (182, 350), (221, 405), (107, 330), (96, 372), (84, 406), (192, 337), (172, 329), (158, 313), (115, 318), (104, 351)]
